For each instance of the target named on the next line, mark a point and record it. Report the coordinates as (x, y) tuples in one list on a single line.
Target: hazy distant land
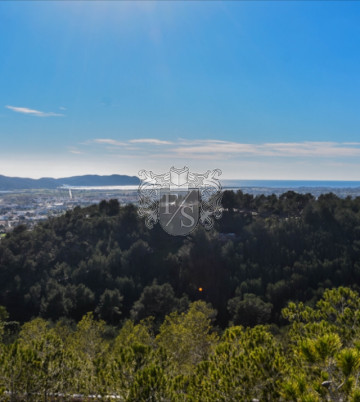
[(124, 183), (21, 183)]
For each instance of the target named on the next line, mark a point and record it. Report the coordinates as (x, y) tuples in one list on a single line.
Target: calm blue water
[(289, 183)]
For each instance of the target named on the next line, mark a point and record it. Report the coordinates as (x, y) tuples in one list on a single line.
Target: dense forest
[(265, 251), (94, 303), (315, 358)]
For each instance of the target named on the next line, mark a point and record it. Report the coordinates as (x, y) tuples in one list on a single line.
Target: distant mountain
[(19, 183)]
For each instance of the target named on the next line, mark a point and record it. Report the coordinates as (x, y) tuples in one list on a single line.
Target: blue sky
[(261, 90)]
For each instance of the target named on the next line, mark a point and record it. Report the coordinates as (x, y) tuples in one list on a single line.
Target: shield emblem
[(179, 210)]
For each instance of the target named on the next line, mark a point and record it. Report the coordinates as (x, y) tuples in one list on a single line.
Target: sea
[(290, 183), (238, 184), (256, 187), (315, 187)]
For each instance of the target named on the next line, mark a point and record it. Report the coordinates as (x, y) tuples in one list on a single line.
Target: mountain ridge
[(24, 183)]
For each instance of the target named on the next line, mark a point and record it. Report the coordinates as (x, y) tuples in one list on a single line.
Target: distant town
[(32, 206)]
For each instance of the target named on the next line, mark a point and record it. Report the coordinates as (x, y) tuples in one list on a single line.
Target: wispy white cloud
[(75, 151), (32, 112), (222, 150), (110, 141), (212, 148), (153, 141), (135, 144)]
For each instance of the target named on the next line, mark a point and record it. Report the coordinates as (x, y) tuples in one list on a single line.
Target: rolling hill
[(19, 183)]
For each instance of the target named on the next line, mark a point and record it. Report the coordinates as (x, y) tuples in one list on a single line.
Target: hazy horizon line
[(222, 180)]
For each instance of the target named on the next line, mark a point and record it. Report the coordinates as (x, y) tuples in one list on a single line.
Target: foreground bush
[(316, 357)]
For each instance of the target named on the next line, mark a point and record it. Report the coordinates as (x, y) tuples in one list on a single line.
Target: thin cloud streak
[(110, 141), (75, 151), (220, 149), (32, 112), (153, 141), (290, 149)]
